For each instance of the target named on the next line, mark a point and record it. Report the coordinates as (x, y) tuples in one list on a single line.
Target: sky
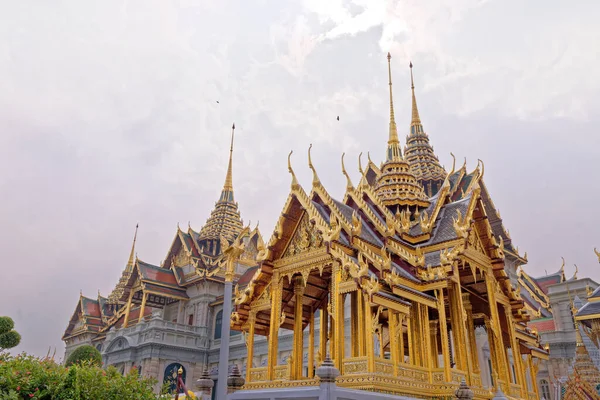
[(114, 113)]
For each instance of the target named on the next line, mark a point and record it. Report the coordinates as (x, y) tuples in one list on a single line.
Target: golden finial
[(597, 254), (415, 120), (576, 271), (360, 168), (562, 268), (369, 157), (311, 166), (227, 192), (180, 371), (482, 168), (393, 150), (453, 163), (80, 293), (291, 171), (464, 166), (349, 182), (131, 259)]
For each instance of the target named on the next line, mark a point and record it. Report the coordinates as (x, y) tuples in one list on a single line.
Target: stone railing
[(355, 365)]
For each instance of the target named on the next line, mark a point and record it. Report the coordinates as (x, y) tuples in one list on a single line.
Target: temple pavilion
[(420, 258)]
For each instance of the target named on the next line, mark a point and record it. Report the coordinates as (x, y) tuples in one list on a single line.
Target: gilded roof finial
[(393, 150), (464, 166), (562, 269), (415, 120), (349, 184), (311, 166), (597, 254), (453, 163), (360, 168), (291, 171), (482, 169), (227, 192), (576, 271), (132, 254)]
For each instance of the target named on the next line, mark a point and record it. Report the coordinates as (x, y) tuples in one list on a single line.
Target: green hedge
[(26, 377), (9, 338), (83, 354)]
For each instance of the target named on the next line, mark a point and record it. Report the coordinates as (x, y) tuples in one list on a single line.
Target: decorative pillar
[(298, 331), (339, 330), (143, 307), (393, 329), (458, 330), (433, 329), (311, 343), (533, 374), (471, 333), (276, 289), (250, 344), (370, 348), (516, 353), (360, 316), (324, 318), (401, 337), (409, 335), (354, 352), (425, 337), (128, 310), (444, 335), (493, 352), (205, 384), (234, 380), (225, 333), (495, 324)]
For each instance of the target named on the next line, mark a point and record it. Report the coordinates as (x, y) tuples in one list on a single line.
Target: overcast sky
[(109, 117)]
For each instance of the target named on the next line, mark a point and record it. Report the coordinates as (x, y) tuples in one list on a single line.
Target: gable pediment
[(305, 238)]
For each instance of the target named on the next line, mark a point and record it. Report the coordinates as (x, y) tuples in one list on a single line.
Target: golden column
[(425, 342), (298, 331), (433, 329), (128, 309), (495, 325), (143, 307), (493, 351), (276, 289), (359, 317), (533, 375), (324, 319), (444, 335), (354, 352), (393, 330), (471, 333), (458, 328), (369, 344), (401, 318), (339, 330), (409, 337), (311, 343), (415, 317), (250, 344), (516, 352)]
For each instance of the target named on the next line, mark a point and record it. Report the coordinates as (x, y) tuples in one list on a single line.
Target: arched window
[(170, 378), (218, 324), (545, 388)]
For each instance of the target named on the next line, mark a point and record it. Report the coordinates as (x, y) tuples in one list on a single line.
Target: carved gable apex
[(305, 238), (181, 258), (474, 242)]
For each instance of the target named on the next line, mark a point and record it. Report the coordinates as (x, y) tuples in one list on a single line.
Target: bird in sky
[(338, 118)]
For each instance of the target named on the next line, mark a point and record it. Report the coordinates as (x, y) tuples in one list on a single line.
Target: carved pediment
[(305, 238), (474, 242), (181, 258)]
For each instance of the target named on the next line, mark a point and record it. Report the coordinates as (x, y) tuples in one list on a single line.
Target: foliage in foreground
[(84, 354), (27, 377), (9, 338)]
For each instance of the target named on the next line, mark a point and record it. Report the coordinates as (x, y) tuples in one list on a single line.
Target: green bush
[(9, 338), (26, 377), (83, 354)]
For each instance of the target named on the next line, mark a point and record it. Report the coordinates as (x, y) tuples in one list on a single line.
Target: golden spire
[(393, 151), (132, 254), (227, 193), (415, 120)]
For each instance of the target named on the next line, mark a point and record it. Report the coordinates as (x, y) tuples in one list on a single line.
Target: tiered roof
[(424, 164), (90, 316)]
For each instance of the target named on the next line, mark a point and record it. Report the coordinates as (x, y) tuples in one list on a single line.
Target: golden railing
[(355, 365), (413, 372), (258, 374), (384, 366), (531, 396), (515, 390)]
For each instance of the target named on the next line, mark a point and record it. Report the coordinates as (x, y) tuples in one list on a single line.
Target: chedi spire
[(419, 153)]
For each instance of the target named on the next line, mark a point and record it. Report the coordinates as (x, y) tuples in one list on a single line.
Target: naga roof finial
[(453, 163), (312, 167), (360, 168), (349, 184), (291, 171), (597, 254)]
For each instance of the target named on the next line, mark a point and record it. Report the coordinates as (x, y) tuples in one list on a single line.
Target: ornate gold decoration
[(461, 224), (371, 286), (235, 317), (349, 185), (360, 270), (356, 224), (597, 254), (305, 238), (335, 228), (311, 166)]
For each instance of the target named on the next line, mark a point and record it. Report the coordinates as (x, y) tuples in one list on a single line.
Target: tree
[(9, 338), (84, 353)]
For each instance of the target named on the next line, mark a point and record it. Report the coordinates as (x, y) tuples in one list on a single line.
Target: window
[(170, 378), (191, 319), (545, 389), (218, 324)]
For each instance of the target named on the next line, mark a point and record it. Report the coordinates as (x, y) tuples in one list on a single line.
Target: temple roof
[(90, 315)]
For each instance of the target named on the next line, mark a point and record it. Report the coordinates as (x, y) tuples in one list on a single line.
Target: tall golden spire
[(415, 120), (393, 149), (227, 192), (132, 254)]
